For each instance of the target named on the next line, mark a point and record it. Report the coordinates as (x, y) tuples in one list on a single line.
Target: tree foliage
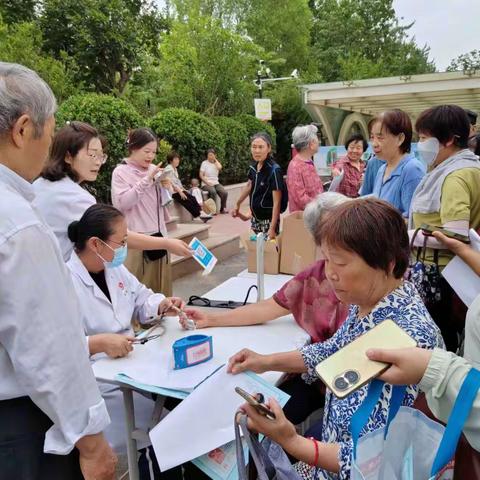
[(268, 23), (206, 68), (465, 62), (105, 37), (17, 11), (22, 43), (191, 135), (237, 150), (352, 40)]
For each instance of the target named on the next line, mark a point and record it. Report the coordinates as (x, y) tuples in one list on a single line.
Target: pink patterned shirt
[(313, 303), (303, 183), (139, 199)]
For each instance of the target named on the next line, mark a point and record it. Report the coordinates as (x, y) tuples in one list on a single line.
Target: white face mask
[(428, 150)]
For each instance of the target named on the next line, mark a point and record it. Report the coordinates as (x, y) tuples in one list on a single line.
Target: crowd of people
[(74, 274)]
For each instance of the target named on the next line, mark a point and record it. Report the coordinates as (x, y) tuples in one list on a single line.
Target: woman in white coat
[(76, 156), (110, 296)]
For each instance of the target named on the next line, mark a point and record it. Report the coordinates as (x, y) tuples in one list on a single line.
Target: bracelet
[(315, 461)]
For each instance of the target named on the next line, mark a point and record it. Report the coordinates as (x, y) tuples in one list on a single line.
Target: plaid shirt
[(352, 177), (303, 184)]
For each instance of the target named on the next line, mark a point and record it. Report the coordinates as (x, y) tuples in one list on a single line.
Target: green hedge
[(191, 135), (254, 125), (237, 150), (112, 117)]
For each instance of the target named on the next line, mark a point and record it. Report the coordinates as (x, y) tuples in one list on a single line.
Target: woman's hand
[(408, 365), (177, 247), (198, 316), (155, 171), (234, 212), (453, 245), (114, 345), (182, 195), (247, 360), (170, 306), (272, 234), (280, 430), (336, 172)]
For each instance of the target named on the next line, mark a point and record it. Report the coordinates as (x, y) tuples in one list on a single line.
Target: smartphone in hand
[(261, 408), (429, 229), (349, 368)]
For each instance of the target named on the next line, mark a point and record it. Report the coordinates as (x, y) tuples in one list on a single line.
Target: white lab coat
[(129, 297), (60, 203)]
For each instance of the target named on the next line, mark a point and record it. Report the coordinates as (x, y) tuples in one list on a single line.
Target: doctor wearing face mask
[(110, 296), (448, 196)]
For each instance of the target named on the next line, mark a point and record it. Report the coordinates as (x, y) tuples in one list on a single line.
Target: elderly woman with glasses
[(109, 297), (303, 182), (366, 249)]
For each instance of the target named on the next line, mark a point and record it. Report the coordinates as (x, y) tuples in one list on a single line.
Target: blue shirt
[(398, 189), (373, 166)]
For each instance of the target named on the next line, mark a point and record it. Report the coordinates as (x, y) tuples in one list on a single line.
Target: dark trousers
[(304, 398), (22, 434), (189, 203), (449, 315), (215, 191)]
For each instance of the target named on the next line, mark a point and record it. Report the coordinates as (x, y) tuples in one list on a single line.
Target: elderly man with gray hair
[(308, 297), (303, 182), (49, 399)]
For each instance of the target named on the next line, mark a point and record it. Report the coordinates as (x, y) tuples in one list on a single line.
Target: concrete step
[(172, 223), (222, 246), (186, 231)]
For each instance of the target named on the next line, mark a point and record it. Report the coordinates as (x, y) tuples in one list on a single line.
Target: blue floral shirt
[(405, 307)]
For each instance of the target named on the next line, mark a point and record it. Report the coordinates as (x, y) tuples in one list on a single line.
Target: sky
[(448, 27)]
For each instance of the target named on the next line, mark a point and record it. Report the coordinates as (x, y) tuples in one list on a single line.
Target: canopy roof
[(412, 94)]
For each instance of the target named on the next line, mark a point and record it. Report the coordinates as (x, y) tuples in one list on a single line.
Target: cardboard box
[(271, 254), (298, 246)]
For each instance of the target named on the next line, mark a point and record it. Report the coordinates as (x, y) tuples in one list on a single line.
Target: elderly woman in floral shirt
[(303, 182), (366, 249)]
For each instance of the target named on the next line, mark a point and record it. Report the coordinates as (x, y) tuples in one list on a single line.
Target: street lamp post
[(263, 76)]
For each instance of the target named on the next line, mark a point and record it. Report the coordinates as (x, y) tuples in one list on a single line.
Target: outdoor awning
[(412, 94)]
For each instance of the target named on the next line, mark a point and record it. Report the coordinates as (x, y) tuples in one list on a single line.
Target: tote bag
[(410, 446)]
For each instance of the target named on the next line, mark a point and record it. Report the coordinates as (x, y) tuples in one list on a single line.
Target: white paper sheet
[(204, 420), (461, 277)]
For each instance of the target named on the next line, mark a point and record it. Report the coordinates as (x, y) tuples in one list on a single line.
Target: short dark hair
[(357, 137), (445, 122), (70, 139), (472, 116), (172, 155), (372, 229), (396, 121), (140, 137), (211, 150), (96, 221)]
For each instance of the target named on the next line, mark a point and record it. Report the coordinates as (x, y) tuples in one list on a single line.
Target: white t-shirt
[(210, 172)]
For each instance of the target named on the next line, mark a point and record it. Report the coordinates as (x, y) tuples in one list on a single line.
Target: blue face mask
[(119, 256)]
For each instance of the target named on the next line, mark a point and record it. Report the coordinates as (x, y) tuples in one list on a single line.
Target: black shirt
[(264, 182), (99, 279)]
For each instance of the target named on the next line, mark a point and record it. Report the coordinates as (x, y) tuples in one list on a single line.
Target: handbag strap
[(456, 421), (361, 416), (265, 467)]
